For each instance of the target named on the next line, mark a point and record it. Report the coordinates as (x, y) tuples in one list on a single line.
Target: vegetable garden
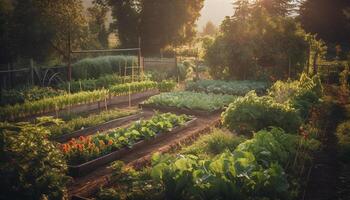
[(261, 147), (148, 109)]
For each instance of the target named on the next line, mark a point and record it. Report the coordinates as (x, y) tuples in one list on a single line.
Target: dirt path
[(88, 185), (323, 180)]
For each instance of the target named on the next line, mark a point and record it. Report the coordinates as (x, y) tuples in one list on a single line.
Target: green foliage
[(227, 176), (133, 87), (253, 171), (253, 113), (85, 149), (256, 43), (166, 86), (191, 100), (22, 95), (43, 23), (217, 142), (80, 122), (226, 87), (89, 68), (172, 25), (31, 167), (301, 94), (11, 112)]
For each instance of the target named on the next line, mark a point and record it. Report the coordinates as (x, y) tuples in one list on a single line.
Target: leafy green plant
[(216, 142), (31, 167), (253, 113), (81, 150), (226, 87), (84, 122), (191, 100), (133, 87)]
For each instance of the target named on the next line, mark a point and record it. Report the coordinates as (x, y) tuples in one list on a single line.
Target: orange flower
[(110, 142), (81, 138)]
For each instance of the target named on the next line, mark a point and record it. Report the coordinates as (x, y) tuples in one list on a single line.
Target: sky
[(215, 11)]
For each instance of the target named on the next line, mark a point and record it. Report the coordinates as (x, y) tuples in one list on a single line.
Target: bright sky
[(215, 11)]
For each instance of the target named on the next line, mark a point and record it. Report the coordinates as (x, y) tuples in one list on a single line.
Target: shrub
[(218, 141), (253, 113), (166, 86), (301, 94), (31, 167)]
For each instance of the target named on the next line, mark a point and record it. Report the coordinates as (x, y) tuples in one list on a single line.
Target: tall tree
[(159, 23), (97, 24), (327, 19), (209, 29), (40, 28), (256, 43)]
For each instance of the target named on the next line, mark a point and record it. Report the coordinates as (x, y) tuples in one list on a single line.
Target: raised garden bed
[(82, 169), (98, 128), (179, 110), (111, 100)]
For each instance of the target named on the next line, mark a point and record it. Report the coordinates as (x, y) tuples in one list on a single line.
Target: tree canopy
[(158, 23)]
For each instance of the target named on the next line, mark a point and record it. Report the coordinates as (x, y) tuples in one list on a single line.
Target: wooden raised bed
[(82, 169), (179, 110), (98, 128)]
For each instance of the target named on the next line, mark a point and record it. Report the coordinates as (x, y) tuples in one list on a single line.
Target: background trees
[(158, 22), (328, 20), (258, 41), (40, 29)]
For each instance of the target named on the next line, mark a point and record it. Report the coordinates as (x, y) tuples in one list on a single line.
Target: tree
[(159, 23), (256, 43), (97, 24), (40, 29), (327, 19), (209, 29)]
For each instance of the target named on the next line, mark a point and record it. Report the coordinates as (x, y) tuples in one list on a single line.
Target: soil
[(88, 185), (323, 182)]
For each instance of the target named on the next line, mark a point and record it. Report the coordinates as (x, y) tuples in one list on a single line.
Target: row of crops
[(65, 100)]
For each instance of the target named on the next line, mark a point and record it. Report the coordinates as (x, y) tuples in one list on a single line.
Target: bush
[(218, 141), (166, 86), (95, 67), (253, 113), (301, 94), (31, 167)]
